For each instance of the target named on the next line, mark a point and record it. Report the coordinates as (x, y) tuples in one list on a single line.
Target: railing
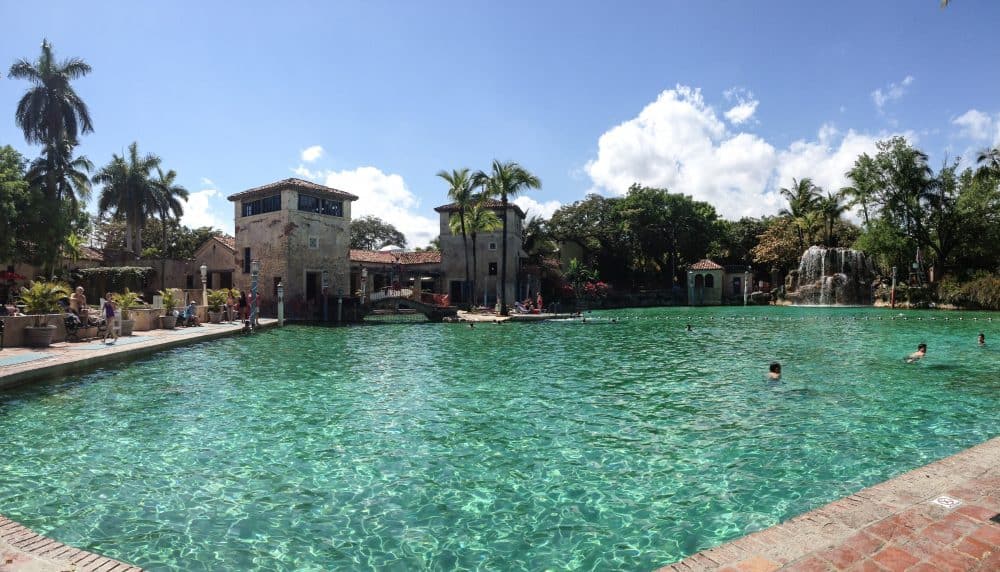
[(390, 293)]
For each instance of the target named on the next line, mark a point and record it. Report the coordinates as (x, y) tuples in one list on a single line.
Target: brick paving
[(23, 550), (901, 524)]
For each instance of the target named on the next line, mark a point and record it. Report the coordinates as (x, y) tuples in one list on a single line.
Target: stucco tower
[(298, 230)]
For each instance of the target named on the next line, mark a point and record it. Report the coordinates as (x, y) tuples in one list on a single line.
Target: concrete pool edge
[(893, 525), (63, 362), (23, 549)]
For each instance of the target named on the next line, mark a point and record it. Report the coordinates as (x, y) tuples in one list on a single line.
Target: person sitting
[(520, 308), (78, 304), (189, 317)]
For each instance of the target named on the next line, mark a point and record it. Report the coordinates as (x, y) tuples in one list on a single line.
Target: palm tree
[(129, 191), (60, 176), (460, 192), (506, 180), (989, 163), (478, 219), (165, 200), (831, 208), (802, 198), (50, 110)]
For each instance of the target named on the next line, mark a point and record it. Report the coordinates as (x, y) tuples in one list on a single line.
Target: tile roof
[(298, 185), (227, 241), (705, 264), (377, 257), (491, 203), (88, 253)]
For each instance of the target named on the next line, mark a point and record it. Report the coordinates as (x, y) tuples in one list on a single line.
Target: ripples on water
[(523, 446)]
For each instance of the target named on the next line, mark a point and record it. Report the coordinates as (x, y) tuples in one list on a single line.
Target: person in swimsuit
[(917, 355), (111, 319), (982, 339), (774, 371)]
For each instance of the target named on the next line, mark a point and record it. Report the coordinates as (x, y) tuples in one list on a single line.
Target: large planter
[(215, 317), (127, 326), (168, 322), (39, 336)]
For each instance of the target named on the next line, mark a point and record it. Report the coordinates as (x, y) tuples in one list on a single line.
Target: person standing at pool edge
[(110, 319), (919, 354)]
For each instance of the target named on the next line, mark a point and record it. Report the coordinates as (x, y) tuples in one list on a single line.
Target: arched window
[(699, 281), (709, 281)]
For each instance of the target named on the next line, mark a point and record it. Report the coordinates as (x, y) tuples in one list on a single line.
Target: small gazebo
[(705, 283)]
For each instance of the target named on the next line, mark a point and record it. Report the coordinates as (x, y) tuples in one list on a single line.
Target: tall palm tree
[(60, 176), (129, 191), (478, 219), (802, 198), (166, 202), (50, 110), (989, 163), (506, 180), (831, 208), (460, 192)]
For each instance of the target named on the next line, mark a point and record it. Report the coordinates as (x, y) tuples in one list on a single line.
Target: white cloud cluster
[(310, 154), (208, 207), (534, 208), (746, 105), (385, 196), (678, 142), (978, 126), (891, 93)]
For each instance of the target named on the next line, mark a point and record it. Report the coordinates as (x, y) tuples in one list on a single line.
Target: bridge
[(434, 306)]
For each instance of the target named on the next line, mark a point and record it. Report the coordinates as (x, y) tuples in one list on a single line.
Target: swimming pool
[(521, 446)]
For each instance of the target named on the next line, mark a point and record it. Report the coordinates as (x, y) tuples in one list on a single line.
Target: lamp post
[(364, 283), (340, 305), (326, 284), (746, 284), (281, 304), (204, 292), (254, 273)]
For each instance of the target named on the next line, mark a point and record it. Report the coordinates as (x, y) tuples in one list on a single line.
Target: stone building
[(705, 284), (218, 255), (488, 253), (300, 233), (381, 269)]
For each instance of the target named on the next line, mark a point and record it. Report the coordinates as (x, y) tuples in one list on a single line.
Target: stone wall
[(453, 258)]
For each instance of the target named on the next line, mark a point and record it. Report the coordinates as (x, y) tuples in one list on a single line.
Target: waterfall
[(833, 276)]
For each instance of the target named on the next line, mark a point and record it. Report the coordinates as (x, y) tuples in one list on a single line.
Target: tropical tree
[(59, 182), (989, 163), (15, 203), (51, 111), (460, 191), (166, 199), (479, 219), (129, 191), (504, 181), (372, 233), (802, 198), (831, 209)]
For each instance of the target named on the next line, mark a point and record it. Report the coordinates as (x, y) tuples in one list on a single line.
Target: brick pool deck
[(895, 525), (900, 524)]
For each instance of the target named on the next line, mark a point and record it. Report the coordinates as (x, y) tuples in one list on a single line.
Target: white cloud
[(977, 125), (746, 105), (385, 196), (678, 142), (208, 208), (206, 182), (310, 154), (892, 93), (534, 208)]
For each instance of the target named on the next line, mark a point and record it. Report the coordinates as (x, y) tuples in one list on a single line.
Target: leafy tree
[(372, 233), (830, 208), (460, 190), (433, 246), (15, 202), (59, 183), (129, 191), (478, 219), (51, 111), (802, 198), (504, 181), (737, 239), (778, 246), (596, 225)]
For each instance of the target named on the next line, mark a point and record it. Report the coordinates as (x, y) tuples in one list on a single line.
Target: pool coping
[(25, 550), (898, 524), (68, 360)]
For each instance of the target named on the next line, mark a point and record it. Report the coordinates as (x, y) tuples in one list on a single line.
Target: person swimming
[(774, 371), (919, 354), (982, 339)]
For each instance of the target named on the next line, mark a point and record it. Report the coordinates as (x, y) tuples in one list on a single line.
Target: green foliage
[(115, 278), (372, 233), (217, 299), (126, 301), (982, 292), (15, 203), (779, 245), (50, 110), (169, 299), (40, 298), (130, 192)]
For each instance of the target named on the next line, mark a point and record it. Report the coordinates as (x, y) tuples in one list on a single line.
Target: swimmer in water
[(689, 327), (919, 354), (982, 339), (774, 371)]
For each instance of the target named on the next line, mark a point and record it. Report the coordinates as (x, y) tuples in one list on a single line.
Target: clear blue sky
[(724, 100)]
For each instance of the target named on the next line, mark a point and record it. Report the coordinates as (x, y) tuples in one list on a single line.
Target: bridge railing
[(390, 293)]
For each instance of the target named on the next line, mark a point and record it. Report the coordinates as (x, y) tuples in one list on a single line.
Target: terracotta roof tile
[(377, 257), (705, 264), (227, 241), (297, 184)]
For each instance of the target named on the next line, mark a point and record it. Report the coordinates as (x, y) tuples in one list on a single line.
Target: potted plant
[(41, 298), (216, 300), (125, 302), (169, 320)]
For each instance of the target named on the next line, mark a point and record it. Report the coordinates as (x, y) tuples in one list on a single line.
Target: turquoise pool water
[(523, 446)]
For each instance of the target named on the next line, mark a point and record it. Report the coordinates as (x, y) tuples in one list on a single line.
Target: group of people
[(79, 310), (530, 306)]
